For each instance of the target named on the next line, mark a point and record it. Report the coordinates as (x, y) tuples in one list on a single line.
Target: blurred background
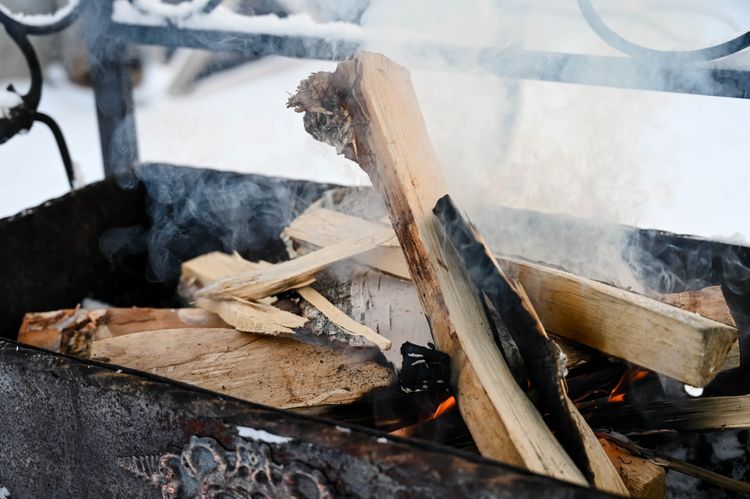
[(656, 160)]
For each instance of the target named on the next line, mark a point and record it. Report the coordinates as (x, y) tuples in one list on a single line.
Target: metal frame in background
[(640, 68)]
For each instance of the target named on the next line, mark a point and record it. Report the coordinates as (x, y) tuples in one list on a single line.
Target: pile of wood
[(325, 327)]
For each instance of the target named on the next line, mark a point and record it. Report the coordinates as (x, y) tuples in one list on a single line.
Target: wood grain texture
[(322, 227), (44, 329), (275, 371), (693, 414), (368, 110), (670, 340), (242, 314), (520, 324), (342, 320), (291, 274), (641, 330), (252, 317), (642, 477)]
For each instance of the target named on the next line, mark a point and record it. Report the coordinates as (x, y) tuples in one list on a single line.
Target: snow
[(159, 8), (4, 493), (222, 18), (41, 19), (262, 435), (8, 100)]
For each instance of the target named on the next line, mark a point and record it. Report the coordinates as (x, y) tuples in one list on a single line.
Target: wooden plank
[(708, 302), (276, 371), (642, 477), (209, 268), (45, 329), (541, 356), (291, 274), (367, 109), (693, 414), (322, 227), (639, 329)]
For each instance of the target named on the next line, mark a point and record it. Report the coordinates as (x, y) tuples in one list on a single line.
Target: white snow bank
[(157, 14), (41, 19)]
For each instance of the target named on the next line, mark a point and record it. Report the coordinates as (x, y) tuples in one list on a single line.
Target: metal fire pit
[(77, 428)]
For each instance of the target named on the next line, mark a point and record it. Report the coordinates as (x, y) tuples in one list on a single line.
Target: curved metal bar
[(18, 35), (7, 19), (61, 145), (625, 46)]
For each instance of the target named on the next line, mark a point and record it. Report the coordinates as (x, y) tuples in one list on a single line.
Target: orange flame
[(445, 406), (630, 376)]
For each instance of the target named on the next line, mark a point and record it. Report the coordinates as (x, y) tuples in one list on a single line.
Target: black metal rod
[(113, 91), (61, 145), (607, 71)]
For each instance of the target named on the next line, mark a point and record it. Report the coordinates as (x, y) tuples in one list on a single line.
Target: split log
[(62, 330), (693, 414), (342, 320), (710, 303), (542, 357), (291, 274), (642, 477), (276, 371), (678, 465), (368, 110), (211, 267), (636, 328), (252, 317), (322, 227)]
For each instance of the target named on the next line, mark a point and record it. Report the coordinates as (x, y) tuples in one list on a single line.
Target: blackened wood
[(84, 429), (542, 357)]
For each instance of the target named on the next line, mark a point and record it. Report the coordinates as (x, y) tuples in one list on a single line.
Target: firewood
[(323, 227), (693, 414), (253, 317), (277, 371), (639, 329), (642, 477), (368, 110), (342, 320), (710, 303), (678, 465), (541, 355), (211, 267), (80, 326), (290, 274)]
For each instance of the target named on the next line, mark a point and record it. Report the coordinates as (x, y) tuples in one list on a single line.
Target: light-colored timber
[(372, 115), (673, 341), (277, 371)]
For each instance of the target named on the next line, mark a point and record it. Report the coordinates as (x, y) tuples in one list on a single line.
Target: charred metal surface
[(541, 355), (84, 429)]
